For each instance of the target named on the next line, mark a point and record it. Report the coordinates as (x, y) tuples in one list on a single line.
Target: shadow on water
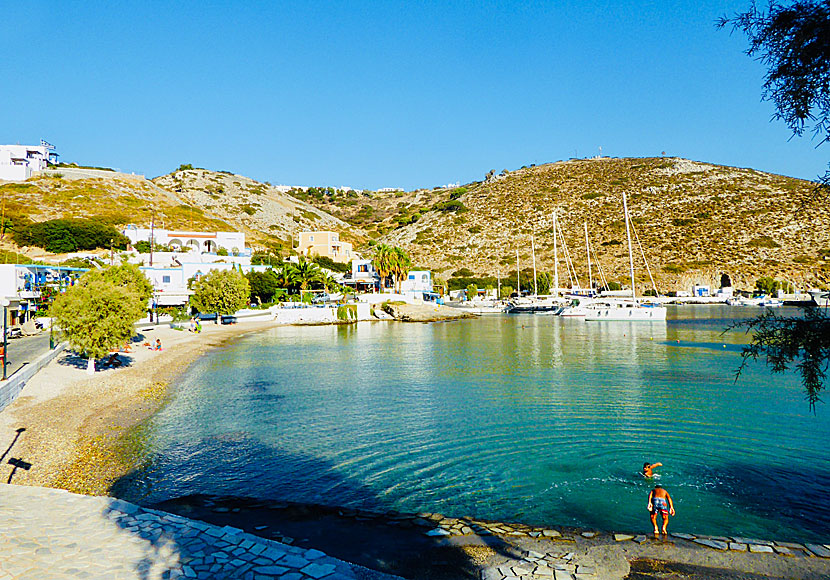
[(210, 473), (775, 493)]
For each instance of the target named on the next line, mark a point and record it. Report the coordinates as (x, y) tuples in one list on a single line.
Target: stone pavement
[(54, 534)]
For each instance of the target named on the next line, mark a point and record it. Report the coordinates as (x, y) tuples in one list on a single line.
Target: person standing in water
[(660, 501), (648, 467)]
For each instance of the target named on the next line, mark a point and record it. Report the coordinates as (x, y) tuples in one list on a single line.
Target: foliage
[(222, 252), (143, 247), (347, 312), (790, 39), (303, 274), (458, 192), (328, 263), (97, 314), (263, 286), (614, 286), (506, 291), (544, 281), (472, 291), (784, 341), (452, 205), (220, 291), (61, 236), (766, 285), (185, 167), (260, 258)]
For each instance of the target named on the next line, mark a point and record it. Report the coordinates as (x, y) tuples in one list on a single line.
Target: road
[(24, 350)]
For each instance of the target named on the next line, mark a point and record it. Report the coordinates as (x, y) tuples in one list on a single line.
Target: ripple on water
[(548, 424)]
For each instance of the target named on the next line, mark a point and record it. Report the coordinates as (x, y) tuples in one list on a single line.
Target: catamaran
[(626, 309)]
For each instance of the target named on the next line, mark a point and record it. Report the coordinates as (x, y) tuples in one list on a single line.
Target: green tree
[(506, 291), (766, 285), (383, 262), (544, 281), (472, 291), (99, 312), (263, 285), (401, 263), (303, 274), (791, 40), (220, 291)]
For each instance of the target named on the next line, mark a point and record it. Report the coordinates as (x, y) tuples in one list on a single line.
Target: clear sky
[(382, 94)]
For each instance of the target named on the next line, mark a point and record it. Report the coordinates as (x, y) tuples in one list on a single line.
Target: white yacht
[(821, 297), (629, 309)]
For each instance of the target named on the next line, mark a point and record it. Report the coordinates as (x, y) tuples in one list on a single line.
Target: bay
[(521, 418)]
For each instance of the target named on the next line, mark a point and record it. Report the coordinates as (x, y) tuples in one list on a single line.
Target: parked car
[(14, 332), (203, 316), (229, 320)]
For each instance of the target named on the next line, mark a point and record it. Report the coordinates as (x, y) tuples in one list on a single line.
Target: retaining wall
[(10, 389)]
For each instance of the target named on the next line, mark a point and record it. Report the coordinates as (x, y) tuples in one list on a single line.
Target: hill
[(696, 221), (194, 199)]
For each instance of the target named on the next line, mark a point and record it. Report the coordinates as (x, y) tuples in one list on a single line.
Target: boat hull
[(821, 297), (627, 313)]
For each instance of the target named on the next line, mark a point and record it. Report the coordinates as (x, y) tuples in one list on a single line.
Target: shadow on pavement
[(210, 473)]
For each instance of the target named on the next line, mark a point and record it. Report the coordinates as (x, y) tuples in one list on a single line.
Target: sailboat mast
[(555, 258), (588, 252), (533, 253), (630, 255), (498, 282), (518, 276)]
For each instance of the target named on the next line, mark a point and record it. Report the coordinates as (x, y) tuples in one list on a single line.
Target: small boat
[(484, 306)]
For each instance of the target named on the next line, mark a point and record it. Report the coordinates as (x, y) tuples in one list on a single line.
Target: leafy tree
[(62, 236), (472, 291), (506, 291), (263, 285), (791, 40), (222, 252), (329, 264), (220, 291), (265, 258), (614, 286), (544, 281), (98, 313), (766, 285)]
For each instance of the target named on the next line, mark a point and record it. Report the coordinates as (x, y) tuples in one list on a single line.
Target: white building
[(19, 162), (198, 242), (417, 281), (27, 286)]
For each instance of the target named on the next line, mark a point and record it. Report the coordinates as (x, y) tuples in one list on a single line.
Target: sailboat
[(627, 309)]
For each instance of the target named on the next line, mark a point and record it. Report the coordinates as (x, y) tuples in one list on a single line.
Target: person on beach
[(648, 468), (660, 501), (158, 344)]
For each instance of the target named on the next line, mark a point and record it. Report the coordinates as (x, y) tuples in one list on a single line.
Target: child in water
[(649, 467)]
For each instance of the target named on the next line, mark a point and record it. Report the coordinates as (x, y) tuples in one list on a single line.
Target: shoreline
[(82, 433)]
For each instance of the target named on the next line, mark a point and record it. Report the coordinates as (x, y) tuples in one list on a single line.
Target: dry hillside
[(695, 221), (192, 200)]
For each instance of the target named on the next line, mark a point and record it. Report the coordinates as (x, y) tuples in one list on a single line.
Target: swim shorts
[(660, 505)]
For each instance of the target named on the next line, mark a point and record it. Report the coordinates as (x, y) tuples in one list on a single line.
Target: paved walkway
[(49, 533)]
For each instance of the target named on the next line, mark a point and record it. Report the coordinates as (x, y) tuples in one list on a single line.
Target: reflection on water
[(521, 418)]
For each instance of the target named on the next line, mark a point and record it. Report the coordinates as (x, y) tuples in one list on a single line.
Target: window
[(411, 277), (363, 267), (310, 238), (165, 279)]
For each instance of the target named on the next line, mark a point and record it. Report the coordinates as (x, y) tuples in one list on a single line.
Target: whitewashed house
[(197, 242), (19, 162)]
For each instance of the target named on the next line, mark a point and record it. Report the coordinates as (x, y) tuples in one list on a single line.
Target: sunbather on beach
[(660, 501), (648, 467)]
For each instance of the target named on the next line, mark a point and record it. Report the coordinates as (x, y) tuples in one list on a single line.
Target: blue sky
[(382, 94)]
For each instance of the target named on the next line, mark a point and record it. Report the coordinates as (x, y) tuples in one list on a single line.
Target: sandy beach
[(82, 433)]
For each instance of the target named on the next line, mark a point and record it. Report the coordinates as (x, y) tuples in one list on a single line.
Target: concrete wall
[(10, 389)]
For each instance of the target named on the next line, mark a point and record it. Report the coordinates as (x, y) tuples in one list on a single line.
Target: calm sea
[(521, 418)]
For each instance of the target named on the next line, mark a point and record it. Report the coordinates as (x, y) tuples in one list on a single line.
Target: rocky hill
[(193, 199), (696, 221)]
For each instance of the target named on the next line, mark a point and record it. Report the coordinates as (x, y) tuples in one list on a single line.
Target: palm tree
[(304, 273), (383, 262), (400, 266)]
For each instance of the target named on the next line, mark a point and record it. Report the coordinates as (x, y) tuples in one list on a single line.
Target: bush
[(328, 263), (453, 206), (472, 291), (347, 312), (62, 236), (614, 286), (222, 252), (458, 192)]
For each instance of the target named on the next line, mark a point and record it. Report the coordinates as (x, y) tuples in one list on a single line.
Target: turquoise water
[(523, 418)]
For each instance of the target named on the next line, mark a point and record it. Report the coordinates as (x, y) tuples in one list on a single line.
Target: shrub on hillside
[(329, 264), (61, 236)]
